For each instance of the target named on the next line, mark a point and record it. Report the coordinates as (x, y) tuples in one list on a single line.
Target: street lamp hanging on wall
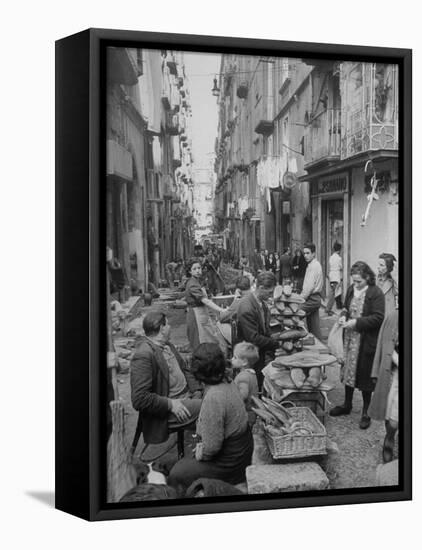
[(215, 90)]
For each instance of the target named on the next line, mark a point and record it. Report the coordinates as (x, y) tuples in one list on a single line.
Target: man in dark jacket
[(286, 265), (163, 390), (253, 320)]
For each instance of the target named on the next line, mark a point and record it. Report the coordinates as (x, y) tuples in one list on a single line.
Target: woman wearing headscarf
[(386, 282), (361, 319), (226, 444)]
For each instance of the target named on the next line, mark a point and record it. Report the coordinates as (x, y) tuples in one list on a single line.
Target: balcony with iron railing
[(322, 139), (264, 116), (370, 117)]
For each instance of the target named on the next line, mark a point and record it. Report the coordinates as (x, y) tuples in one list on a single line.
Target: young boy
[(245, 355)]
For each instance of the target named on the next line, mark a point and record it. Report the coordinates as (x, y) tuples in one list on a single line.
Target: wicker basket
[(298, 445)]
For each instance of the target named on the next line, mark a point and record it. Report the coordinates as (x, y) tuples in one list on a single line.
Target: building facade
[(203, 201), (260, 203), (308, 150), (149, 213), (351, 159)]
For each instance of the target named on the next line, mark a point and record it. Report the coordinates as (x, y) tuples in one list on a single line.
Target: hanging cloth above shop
[(156, 152), (292, 164)]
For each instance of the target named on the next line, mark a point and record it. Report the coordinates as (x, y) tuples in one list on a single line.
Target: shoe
[(340, 410), (365, 422), (387, 449)]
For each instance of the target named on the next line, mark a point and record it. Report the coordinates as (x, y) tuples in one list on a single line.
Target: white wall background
[(27, 314), (380, 231)]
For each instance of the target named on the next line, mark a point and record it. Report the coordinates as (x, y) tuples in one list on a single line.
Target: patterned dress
[(352, 342)]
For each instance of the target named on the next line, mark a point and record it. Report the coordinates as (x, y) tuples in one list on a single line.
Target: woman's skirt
[(202, 329), (228, 465)]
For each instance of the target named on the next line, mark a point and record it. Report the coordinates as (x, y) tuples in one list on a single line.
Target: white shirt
[(314, 280), (335, 265), (358, 293)]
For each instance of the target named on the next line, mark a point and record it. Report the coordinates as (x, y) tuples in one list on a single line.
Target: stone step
[(283, 478), (387, 474)]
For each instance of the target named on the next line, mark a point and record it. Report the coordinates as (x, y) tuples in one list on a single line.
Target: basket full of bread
[(292, 432)]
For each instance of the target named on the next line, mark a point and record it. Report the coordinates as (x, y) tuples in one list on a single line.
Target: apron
[(200, 329), (351, 344)]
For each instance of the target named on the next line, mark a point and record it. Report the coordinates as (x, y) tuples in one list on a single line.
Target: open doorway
[(332, 229)]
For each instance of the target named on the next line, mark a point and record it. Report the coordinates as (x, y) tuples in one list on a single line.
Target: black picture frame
[(80, 279)]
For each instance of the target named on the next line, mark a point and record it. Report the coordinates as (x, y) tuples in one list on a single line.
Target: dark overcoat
[(254, 326), (149, 380), (368, 325)]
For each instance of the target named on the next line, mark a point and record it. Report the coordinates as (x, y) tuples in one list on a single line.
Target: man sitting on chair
[(164, 392)]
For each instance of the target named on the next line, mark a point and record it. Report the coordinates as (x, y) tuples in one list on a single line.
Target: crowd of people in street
[(213, 396)]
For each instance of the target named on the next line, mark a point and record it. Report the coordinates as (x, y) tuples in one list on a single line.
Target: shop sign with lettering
[(332, 184)]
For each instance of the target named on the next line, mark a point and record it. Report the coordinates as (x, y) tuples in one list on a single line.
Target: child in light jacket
[(245, 355)]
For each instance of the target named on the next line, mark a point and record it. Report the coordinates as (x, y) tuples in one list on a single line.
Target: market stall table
[(280, 388)]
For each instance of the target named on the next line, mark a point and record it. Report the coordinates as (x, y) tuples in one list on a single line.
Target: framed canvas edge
[(94, 508)]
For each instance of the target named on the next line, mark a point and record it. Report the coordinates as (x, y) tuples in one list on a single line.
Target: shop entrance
[(332, 229)]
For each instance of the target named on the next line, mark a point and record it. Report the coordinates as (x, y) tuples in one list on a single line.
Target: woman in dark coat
[(361, 320)]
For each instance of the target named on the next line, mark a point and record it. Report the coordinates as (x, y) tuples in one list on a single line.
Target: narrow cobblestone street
[(281, 171)]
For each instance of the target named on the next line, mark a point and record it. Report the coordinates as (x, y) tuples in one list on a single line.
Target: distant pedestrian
[(267, 264), (298, 270), (277, 268), (257, 262), (286, 266), (243, 262), (263, 260), (271, 262), (335, 276), (171, 272)]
